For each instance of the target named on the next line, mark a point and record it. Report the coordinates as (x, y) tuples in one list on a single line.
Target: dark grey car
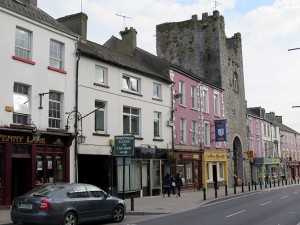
[(66, 204)]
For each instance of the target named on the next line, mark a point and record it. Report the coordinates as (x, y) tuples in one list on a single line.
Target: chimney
[(128, 40), (76, 23), (278, 119), (32, 2)]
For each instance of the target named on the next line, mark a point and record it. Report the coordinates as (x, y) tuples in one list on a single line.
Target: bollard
[(242, 187), (132, 202), (298, 180), (260, 184), (216, 193), (285, 181), (234, 188), (266, 185), (255, 186), (252, 183), (282, 182), (274, 183), (204, 194), (278, 182), (270, 183), (249, 186), (226, 190)]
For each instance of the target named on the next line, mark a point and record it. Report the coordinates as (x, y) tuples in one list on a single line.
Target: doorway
[(21, 176), (215, 176), (145, 179)]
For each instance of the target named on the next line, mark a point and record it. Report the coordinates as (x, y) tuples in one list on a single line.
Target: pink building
[(201, 159)]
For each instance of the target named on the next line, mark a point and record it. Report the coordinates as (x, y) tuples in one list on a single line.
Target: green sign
[(124, 146)]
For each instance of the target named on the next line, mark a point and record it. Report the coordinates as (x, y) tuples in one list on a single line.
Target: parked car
[(66, 204)]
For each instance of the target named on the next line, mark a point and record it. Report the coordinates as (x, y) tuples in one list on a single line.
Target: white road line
[(284, 197), (235, 213), (266, 203)]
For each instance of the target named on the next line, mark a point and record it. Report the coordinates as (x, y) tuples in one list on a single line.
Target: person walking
[(166, 185), (178, 183), (172, 180)]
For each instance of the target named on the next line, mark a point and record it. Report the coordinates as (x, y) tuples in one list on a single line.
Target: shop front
[(214, 169), (25, 164), (293, 169)]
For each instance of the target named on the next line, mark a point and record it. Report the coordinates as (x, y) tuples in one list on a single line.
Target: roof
[(28, 10), (141, 62)]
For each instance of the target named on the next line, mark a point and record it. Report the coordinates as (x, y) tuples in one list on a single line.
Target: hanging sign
[(220, 126)]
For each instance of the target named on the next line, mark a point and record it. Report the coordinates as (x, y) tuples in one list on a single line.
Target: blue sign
[(220, 126)]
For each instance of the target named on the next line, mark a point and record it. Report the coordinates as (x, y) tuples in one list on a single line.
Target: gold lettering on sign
[(20, 139), (214, 156)]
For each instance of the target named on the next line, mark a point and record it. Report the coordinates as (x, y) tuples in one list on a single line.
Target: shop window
[(156, 173), (221, 170), (21, 149), (189, 172), (59, 177), (39, 170), (180, 168), (132, 176), (49, 169), (207, 171)]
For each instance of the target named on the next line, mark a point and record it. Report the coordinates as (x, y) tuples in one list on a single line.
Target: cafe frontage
[(26, 162)]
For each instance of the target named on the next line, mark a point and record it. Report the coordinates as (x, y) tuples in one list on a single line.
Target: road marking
[(236, 213), (284, 197), (266, 203)]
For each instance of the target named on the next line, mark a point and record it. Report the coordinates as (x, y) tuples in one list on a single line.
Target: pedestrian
[(172, 179), (178, 183), (166, 185)]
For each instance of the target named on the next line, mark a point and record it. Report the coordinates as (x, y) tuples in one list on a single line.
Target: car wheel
[(118, 214), (70, 219)]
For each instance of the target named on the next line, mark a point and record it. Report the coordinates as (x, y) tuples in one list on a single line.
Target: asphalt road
[(278, 206)]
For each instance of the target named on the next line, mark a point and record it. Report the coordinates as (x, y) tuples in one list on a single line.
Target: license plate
[(25, 206)]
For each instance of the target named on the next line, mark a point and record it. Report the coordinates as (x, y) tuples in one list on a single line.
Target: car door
[(82, 202), (102, 205)]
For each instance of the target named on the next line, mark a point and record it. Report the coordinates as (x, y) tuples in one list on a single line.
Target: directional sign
[(124, 146)]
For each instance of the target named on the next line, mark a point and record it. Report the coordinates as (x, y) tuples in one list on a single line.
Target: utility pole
[(124, 17)]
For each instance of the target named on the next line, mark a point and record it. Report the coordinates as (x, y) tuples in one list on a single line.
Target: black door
[(215, 176)]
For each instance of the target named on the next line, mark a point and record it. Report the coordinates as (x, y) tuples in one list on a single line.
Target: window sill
[(132, 93), (101, 85), (158, 139), (23, 60), (99, 134), (57, 70), (138, 138), (194, 109), (157, 99), (184, 106)]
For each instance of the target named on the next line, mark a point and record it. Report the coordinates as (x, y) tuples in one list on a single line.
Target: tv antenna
[(216, 4), (124, 17)]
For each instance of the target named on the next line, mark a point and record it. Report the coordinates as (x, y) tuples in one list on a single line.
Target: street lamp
[(35, 134)]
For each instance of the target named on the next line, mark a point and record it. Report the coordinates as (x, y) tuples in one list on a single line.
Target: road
[(278, 206)]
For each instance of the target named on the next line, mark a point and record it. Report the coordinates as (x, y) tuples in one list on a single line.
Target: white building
[(37, 88), (130, 91)]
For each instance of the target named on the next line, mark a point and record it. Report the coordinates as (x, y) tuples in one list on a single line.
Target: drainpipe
[(76, 114)]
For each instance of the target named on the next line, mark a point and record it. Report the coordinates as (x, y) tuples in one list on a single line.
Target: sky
[(269, 28)]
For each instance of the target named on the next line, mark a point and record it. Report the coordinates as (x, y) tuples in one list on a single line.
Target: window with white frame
[(194, 133), (131, 120), (54, 110), (157, 91), (182, 92), (268, 130), (56, 55), (257, 127), (205, 101), (216, 104), (23, 43), (265, 130), (207, 134), (194, 97), (101, 75), (100, 116), (131, 84), (182, 130), (157, 124), (250, 125), (258, 148), (21, 113)]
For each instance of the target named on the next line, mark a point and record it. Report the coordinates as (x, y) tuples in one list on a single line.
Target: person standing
[(172, 180), (166, 185), (178, 183)]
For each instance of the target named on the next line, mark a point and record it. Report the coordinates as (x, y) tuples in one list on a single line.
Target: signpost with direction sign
[(124, 146)]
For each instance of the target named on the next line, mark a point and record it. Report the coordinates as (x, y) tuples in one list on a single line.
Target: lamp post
[(35, 134)]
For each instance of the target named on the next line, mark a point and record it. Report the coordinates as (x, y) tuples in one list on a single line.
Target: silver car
[(66, 204)]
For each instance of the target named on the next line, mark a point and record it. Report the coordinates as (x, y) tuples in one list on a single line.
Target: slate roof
[(142, 62), (28, 10)]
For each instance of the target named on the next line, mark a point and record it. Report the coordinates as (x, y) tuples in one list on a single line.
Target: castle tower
[(201, 46)]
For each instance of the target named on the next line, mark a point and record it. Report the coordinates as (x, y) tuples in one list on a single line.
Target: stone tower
[(201, 46)]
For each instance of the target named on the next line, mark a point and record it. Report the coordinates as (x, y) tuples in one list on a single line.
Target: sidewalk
[(155, 205)]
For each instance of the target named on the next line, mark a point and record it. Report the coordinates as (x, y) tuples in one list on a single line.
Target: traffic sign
[(124, 146)]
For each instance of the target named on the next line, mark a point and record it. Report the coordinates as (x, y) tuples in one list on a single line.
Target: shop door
[(215, 176), (145, 180), (21, 176)]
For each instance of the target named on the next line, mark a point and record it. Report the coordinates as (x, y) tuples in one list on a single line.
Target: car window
[(78, 192), (44, 190), (95, 192)]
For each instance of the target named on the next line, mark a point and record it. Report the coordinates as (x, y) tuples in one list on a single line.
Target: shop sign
[(29, 140), (214, 156), (220, 130), (250, 154), (275, 160)]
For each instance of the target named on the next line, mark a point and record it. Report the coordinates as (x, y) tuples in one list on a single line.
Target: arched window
[(235, 82)]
